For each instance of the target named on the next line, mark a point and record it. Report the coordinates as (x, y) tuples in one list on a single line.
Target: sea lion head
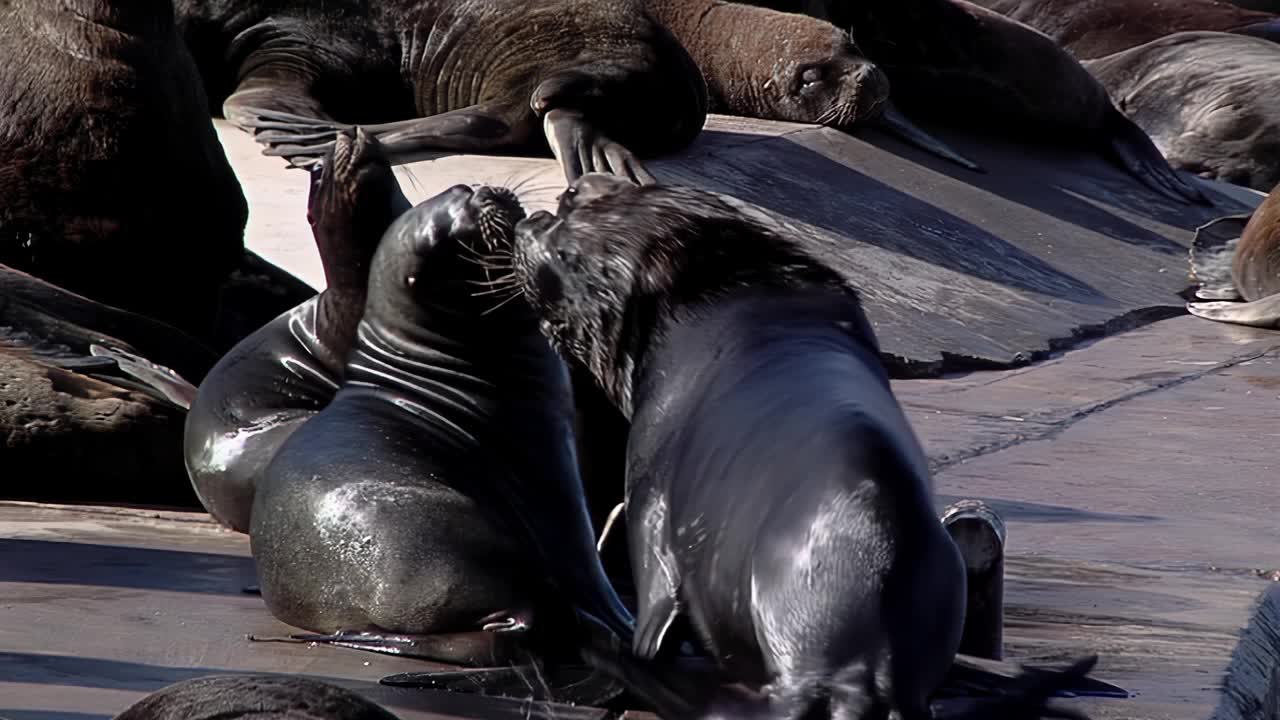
[(353, 198), (818, 76), (617, 259), (445, 253)]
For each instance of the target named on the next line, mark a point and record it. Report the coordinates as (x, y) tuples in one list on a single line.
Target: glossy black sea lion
[(287, 371), (437, 496), (253, 697), (777, 497), (597, 81), (114, 184), (968, 66)]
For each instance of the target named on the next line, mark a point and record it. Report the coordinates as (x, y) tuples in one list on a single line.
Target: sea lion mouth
[(497, 211)]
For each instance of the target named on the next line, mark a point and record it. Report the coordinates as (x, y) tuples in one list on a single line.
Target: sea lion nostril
[(549, 286)]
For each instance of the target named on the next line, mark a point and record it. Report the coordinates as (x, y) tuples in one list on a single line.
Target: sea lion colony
[(400, 448)]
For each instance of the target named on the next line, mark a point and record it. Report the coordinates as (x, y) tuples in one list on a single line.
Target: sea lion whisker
[(499, 305), (499, 291)]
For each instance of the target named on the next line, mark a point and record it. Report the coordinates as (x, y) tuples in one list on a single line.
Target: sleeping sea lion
[(601, 83), (114, 184)]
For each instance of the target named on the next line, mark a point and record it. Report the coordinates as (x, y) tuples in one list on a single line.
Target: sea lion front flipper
[(578, 685), (655, 569), (304, 141), (894, 122), (158, 378), (1135, 151), (581, 148), (474, 649), (1212, 252), (1262, 313)]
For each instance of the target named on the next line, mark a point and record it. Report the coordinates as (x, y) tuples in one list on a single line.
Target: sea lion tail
[(163, 382), (1135, 151), (1212, 251)]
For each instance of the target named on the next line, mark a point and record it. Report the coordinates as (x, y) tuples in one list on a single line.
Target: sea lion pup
[(287, 371), (1236, 260), (601, 83), (785, 66), (114, 184), (777, 497), (437, 496), (1210, 101), (1094, 29), (253, 697), (969, 66)]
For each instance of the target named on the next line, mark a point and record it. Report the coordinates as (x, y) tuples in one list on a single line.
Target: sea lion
[(1210, 101), (287, 371), (1094, 29), (91, 398), (777, 497), (114, 185), (437, 495), (601, 83), (253, 697), (1236, 260), (968, 66), (783, 66)]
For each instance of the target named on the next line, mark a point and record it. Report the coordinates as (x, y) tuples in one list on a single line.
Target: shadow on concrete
[(55, 562)]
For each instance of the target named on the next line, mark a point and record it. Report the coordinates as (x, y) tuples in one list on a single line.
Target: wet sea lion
[(1094, 29), (777, 497), (1210, 101), (91, 398), (437, 496), (968, 66), (784, 66), (601, 83), (253, 697), (1236, 260), (114, 183), (288, 370)]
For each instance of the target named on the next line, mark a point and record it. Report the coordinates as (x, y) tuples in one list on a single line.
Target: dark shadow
[(53, 562), (64, 670), (1039, 513), (1079, 185), (877, 214), (49, 715)]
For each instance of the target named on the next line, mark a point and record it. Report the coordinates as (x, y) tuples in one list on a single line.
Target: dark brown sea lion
[(784, 66), (1210, 101), (253, 697), (113, 184), (1094, 28), (434, 505), (777, 497), (968, 66), (288, 370), (1236, 260), (91, 398), (601, 83)]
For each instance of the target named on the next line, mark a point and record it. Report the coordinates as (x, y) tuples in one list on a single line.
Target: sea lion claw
[(506, 621)]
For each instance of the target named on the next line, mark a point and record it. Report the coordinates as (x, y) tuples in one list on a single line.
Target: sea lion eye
[(811, 76)]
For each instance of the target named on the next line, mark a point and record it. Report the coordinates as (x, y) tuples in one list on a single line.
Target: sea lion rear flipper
[(1262, 313), (969, 676), (1212, 251), (1135, 151), (304, 141), (581, 148), (894, 122), (168, 383), (578, 685)]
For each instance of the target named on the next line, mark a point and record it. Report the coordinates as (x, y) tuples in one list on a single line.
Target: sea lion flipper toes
[(1139, 155), (162, 380), (517, 620), (1262, 313), (581, 148), (894, 122)]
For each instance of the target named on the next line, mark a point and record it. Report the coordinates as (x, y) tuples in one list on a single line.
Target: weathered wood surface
[(982, 269), (1136, 477)]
